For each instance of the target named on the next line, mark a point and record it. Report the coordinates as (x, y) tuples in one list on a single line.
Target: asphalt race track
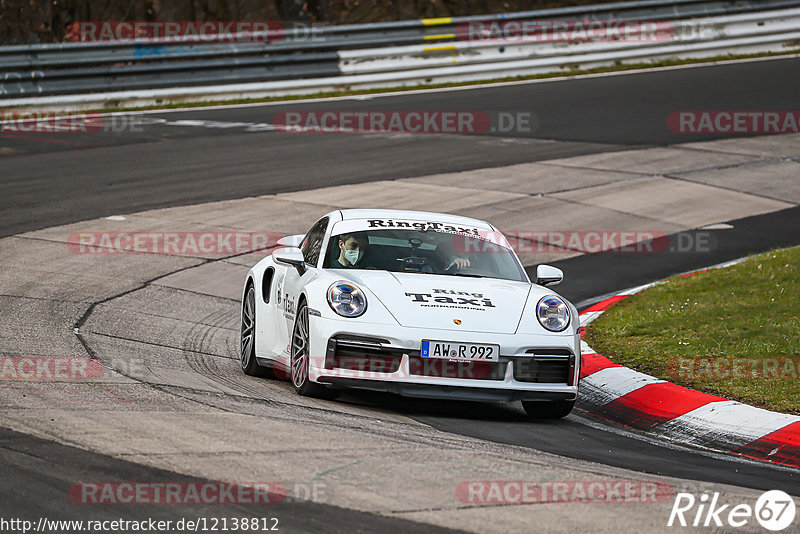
[(77, 177), (37, 471), (187, 157)]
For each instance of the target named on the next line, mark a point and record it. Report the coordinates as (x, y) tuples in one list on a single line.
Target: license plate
[(460, 351)]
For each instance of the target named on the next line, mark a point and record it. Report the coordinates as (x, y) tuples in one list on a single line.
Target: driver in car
[(351, 250), (452, 260), (353, 246), (458, 263)]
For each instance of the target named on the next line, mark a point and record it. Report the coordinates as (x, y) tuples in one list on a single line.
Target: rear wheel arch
[(247, 349)]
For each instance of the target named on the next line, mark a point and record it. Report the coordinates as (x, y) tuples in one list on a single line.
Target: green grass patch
[(732, 332)]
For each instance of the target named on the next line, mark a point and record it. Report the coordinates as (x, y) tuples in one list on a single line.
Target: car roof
[(350, 214)]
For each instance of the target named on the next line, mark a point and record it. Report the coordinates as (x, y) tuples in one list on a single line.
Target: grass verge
[(732, 332)]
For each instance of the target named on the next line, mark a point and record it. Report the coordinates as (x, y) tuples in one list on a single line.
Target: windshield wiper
[(468, 275)]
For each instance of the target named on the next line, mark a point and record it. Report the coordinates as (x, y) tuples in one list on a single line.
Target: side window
[(312, 244)]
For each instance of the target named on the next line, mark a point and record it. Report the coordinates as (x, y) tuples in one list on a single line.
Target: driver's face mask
[(352, 256)]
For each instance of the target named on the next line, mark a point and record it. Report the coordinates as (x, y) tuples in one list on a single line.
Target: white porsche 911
[(413, 303)]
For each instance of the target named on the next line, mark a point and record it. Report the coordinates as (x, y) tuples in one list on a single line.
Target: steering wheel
[(467, 271), (414, 262)]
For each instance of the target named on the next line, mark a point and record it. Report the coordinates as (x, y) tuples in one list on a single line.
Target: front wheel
[(548, 410), (301, 360)]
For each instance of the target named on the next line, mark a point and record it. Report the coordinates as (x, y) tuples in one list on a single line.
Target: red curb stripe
[(655, 404), (591, 363), (605, 303), (779, 447), (693, 273)]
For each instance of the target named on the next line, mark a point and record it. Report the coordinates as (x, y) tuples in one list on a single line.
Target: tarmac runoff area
[(165, 327)]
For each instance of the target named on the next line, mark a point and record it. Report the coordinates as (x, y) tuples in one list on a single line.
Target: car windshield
[(423, 251)]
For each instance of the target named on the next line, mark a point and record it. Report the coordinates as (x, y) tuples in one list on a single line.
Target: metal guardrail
[(365, 55), (713, 32)]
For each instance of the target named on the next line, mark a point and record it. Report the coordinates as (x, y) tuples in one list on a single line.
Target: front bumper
[(554, 359), (441, 391)]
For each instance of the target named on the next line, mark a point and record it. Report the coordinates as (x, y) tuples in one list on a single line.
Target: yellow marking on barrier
[(438, 48), (438, 21), (442, 36)]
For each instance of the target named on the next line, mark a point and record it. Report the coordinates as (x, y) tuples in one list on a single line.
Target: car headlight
[(346, 299), (553, 313)]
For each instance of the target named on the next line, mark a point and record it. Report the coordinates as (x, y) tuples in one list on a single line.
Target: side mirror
[(547, 275), (291, 256), (290, 240)]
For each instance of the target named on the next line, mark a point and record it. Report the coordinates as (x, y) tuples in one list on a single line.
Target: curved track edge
[(643, 402)]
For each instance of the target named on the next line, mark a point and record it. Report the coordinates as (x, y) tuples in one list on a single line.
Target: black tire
[(549, 409), (247, 339), (299, 363)]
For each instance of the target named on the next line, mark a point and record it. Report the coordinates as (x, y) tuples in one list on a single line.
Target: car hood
[(447, 302)]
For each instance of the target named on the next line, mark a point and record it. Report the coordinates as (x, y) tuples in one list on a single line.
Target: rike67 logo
[(774, 510)]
